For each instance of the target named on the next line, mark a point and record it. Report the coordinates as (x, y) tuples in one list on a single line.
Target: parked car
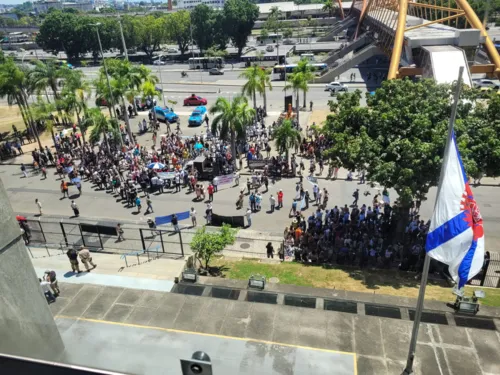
[(198, 115), (336, 87), (172, 50), (101, 102), (165, 114), (216, 72), (159, 62), (195, 100), (289, 42), (487, 83)]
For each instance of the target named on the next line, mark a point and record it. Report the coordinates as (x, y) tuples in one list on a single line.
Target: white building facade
[(190, 4)]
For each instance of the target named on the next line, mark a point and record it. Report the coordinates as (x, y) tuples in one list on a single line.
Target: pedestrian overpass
[(428, 38)]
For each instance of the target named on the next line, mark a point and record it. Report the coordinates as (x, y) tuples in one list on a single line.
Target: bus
[(263, 40), (279, 70), (308, 56), (206, 62)]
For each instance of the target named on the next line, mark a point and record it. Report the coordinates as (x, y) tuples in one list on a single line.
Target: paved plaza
[(142, 332)]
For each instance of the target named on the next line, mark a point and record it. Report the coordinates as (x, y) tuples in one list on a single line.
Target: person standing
[(249, 217), (73, 260), (86, 258), (23, 169), (75, 209), (64, 189), (175, 223), (356, 197), (280, 199), (252, 202), (119, 232), (177, 179), (39, 206), (138, 204), (192, 213), (215, 183), (272, 202), (149, 204), (270, 250), (45, 285), (210, 190), (50, 276)]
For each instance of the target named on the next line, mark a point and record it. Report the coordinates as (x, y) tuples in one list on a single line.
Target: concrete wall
[(27, 327)]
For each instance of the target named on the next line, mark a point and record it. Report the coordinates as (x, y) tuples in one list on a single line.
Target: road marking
[(212, 335)]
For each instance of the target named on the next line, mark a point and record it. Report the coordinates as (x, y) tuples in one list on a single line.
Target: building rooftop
[(287, 6)]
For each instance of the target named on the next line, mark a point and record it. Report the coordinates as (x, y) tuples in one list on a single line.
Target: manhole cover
[(245, 245), (274, 280)]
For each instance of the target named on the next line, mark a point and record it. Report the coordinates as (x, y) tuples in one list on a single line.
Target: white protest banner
[(224, 180)]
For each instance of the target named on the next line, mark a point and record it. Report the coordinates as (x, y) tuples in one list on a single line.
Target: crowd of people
[(355, 235)]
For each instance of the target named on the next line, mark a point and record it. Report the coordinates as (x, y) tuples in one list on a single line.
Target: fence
[(102, 237)]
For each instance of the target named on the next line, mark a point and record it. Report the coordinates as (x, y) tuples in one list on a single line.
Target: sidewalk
[(111, 270), (249, 243)]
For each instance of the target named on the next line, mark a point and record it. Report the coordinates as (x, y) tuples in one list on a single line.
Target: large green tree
[(178, 26), (399, 137), (240, 17), (202, 19), (151, 33), (62, 32)]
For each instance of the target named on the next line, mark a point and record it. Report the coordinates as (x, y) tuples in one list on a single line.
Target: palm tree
[(14, 85), (233, 118), (286, 137), (44, 112), (306, 69), (329, 7), (264, 81), (251, 74), (101, 126), (148, 90), (47, 74), (102, 91), (76, 93), (296, 82), (120, 88)]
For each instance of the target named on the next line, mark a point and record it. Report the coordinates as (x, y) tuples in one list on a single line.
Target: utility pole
[(486, 13), (107, 75), (123, 39)]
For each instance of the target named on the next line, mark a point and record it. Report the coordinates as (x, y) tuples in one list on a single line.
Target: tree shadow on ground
[(374, 278)]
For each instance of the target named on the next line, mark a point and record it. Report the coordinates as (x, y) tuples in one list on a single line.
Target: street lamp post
[(161, 80), (123, 39), (107, 75)]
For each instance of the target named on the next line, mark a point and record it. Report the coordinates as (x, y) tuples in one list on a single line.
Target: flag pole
[(425, 273)]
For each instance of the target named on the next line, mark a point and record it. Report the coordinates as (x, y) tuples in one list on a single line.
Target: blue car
[(165, 114), (197, 116)]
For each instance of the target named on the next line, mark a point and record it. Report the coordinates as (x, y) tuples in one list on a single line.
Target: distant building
[(189, 4), (43, 6), (12, 16)]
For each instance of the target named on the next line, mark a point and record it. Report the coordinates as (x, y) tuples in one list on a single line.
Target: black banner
[(89, 228), (234, 221)]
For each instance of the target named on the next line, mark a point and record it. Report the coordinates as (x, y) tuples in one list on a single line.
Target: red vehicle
[(195, 100), (101, 102)]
